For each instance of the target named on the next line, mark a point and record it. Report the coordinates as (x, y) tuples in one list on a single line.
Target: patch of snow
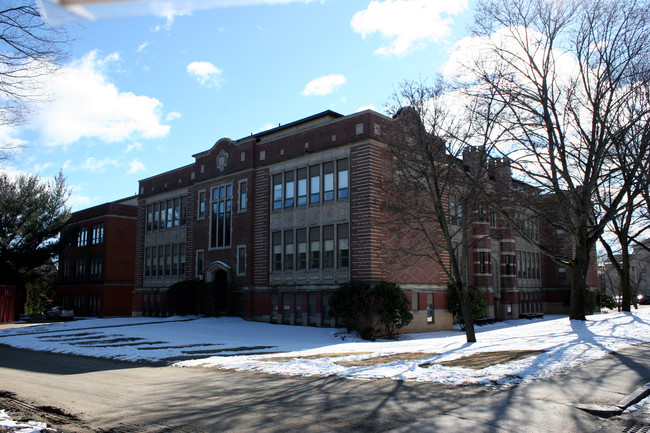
[(22, 427), (233, 343)]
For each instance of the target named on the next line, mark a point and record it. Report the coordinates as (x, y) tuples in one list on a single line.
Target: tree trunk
[(579, 284), (467, 315), (624, 278)]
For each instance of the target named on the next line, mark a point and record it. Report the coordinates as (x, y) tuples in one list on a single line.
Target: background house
[(97, 260)]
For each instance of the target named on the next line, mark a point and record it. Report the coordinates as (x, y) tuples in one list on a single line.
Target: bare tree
[(30, 50), (564, 72), (434, 198)]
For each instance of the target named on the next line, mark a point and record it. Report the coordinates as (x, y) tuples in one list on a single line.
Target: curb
[(607, 411)]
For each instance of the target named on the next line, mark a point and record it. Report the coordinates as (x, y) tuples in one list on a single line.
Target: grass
[(408, 356), (482, 360)]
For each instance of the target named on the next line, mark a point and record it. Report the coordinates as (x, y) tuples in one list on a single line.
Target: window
[(289, 189), (241, 260), (82, 237), (95, 268), (181, 264), (302, 187), (276, 242), (243, 195), (161, 260), (94, 305), (561, 273), (414, 302), (201, 207), (149, 217), (518, 264), (183, 210), (80, 269), (170, 213), (301, 247), (168, 260), (559, 234), (328, 181), (288, 250), (66, 269), (314, 184), (221, 216), (493, 220), (147, 262), (199, 264), (328, 247), (343, 178), (455, 211), (314, 248), (482, 267), (156, 215), (277, 191), (344, 245), (98, 233), (508, 260), (154, 261), (430, 311), (174, 260), (177, 212)]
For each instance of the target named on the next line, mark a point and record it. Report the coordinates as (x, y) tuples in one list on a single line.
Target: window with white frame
[(98, 233)]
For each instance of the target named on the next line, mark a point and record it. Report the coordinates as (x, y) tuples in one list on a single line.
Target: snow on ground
[(21, 426), (237, 344)]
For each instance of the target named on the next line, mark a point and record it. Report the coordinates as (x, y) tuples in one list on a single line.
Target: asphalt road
[(112, 396)]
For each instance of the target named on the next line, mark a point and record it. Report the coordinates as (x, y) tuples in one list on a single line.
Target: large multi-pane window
[(98, 233), (82, 237), (221, 216), (96, 268), (164, 261), (311, 185), (167, 214), (313, 248)]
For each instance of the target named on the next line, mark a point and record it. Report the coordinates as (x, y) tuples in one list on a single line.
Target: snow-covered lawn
[(555, 342)]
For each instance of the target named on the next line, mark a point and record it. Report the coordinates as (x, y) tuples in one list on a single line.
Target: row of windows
[(313, 248), (311, 185), (528, 265), (83, 269), (164, 261), (80, 239), (167, 214)]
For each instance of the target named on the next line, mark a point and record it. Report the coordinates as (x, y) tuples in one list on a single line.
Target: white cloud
[(95, 165), (324, 85), (135, 166), (205, 73), (366, 107), (172, 115), (409, 23), (133, 146), (142, 46), (85, 104)]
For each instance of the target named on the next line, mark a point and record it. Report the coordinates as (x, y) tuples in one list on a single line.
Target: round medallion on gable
[(222, 160)]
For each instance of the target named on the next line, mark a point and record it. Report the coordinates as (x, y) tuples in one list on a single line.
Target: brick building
[(97, 260), (277, 220)]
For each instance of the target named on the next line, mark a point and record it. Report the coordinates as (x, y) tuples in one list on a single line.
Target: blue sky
[(144, 89)]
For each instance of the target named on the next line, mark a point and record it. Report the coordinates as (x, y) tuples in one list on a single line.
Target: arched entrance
[(222, 297)]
